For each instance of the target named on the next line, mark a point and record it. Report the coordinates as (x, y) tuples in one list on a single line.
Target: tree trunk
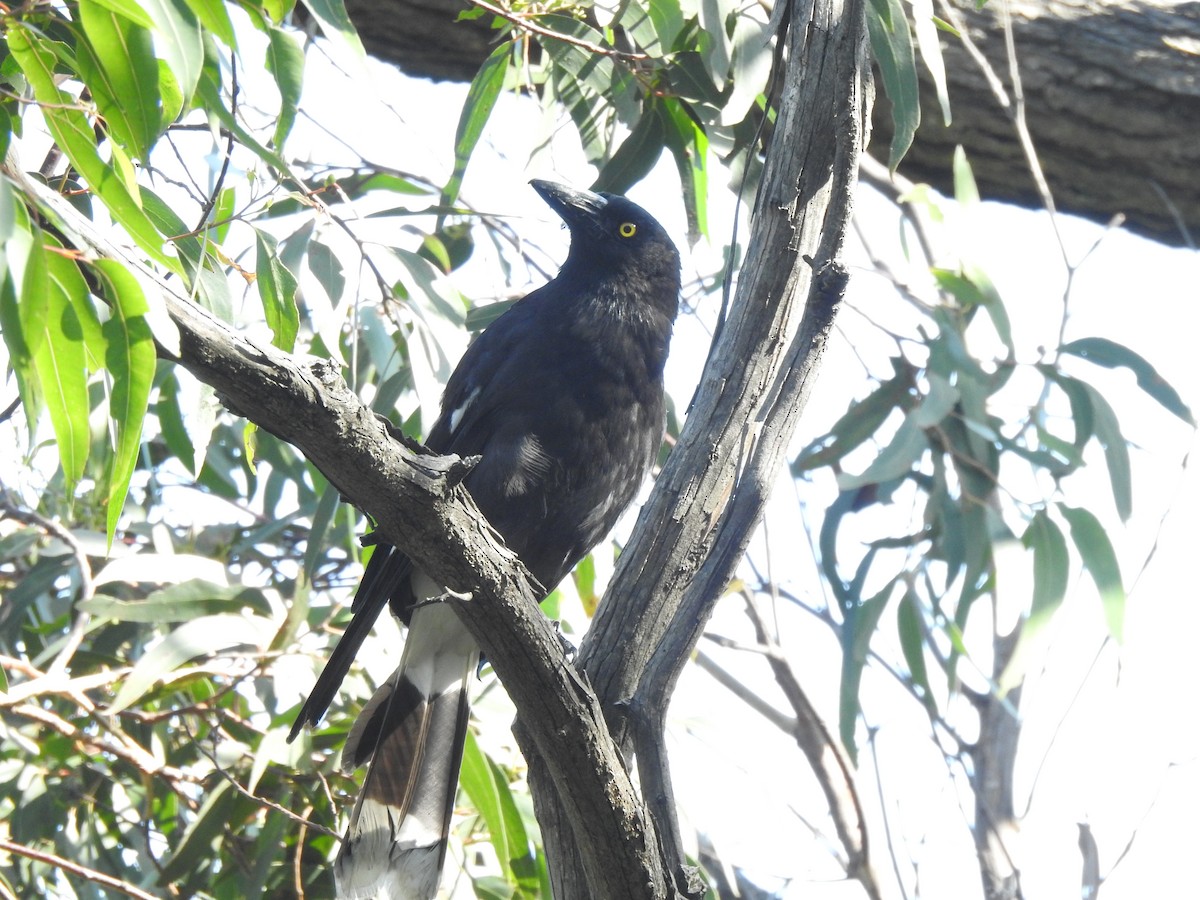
[(694, 529), (1111, 98)]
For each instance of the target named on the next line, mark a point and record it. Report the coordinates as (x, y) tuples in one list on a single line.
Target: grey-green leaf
[(277, 289), (130, 359), (477, 109), (892, 44), (1100, 560), (285, 61), (1111, 355), (1116, 451), (896, 459), (203, 636)]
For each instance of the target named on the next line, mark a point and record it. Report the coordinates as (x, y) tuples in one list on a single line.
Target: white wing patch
[(456, 414), (532, 466)]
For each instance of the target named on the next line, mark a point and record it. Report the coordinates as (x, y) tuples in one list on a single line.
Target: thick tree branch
[(695, 527), (1112, 102), (420, 506)]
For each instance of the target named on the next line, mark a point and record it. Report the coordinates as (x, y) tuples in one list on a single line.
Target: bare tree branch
[(420, 506), (75, 868)]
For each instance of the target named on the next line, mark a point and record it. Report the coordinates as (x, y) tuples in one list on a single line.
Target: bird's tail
[(411, 737)]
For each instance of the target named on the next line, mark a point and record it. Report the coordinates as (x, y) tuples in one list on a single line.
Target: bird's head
[(614, 237)]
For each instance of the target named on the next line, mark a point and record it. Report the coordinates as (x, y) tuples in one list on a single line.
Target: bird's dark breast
[(555, 477)]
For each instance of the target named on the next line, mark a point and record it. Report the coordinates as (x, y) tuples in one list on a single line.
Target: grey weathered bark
[(694, 529), (420, 506), (1112, 92), (994, 760)]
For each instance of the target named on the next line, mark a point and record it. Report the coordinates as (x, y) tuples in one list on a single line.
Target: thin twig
[(525, 24), (833, 770), (123, 747), (301, 842), (883, 809), (86, 585), (784, 723), (250, 795), (75, 868)]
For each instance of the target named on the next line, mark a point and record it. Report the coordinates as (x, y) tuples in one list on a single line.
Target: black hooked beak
[(575, 208)]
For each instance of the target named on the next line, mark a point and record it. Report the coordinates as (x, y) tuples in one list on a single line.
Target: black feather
[(562, 400)]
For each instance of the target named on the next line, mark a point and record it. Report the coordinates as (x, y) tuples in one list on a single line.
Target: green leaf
[(277, 288), (971, 287), (638, 153), (323, 515), (938, 403), (336, 25), (1082, 416), (489, 791), (65, 277), (925, 27), (750, 67), (124, 52), (860, 422), (73, 133), (966, 191), (1051, 568), (912, 643), (892, 45), (182, 44), (861, 621), (477, 109), (170, 422), (189, 246), (667, 17), (25, 261), (183, 602), (1096, 551), (901, 456), (591, 88), (285, 61), (688, 142), (214, 16), (1116, 452), (327, 269), (222, 214), (1112, 355), (130, 359), (130, 9), (210, 822), (62, 366), (480, 317), (274, 747), (198, 637)]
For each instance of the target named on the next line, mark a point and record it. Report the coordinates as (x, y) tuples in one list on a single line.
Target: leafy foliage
[(149, 669)]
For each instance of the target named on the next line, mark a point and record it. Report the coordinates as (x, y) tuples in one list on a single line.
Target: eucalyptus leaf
[(199, 637), (1111, 355), (892, 45), (1100, 561), (130, 358)]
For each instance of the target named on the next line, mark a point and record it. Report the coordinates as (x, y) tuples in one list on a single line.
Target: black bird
[(562, 398)]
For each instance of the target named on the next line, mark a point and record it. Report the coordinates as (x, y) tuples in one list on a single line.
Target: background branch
[(420, 506)]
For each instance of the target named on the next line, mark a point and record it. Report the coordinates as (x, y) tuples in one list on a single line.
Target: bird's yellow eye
[(627, 229)]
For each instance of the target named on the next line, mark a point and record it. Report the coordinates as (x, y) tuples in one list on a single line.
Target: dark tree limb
[(421, 508), (1110, 91), (695, 527)]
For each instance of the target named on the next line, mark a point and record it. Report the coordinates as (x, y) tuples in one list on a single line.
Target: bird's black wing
[(463, 428)]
